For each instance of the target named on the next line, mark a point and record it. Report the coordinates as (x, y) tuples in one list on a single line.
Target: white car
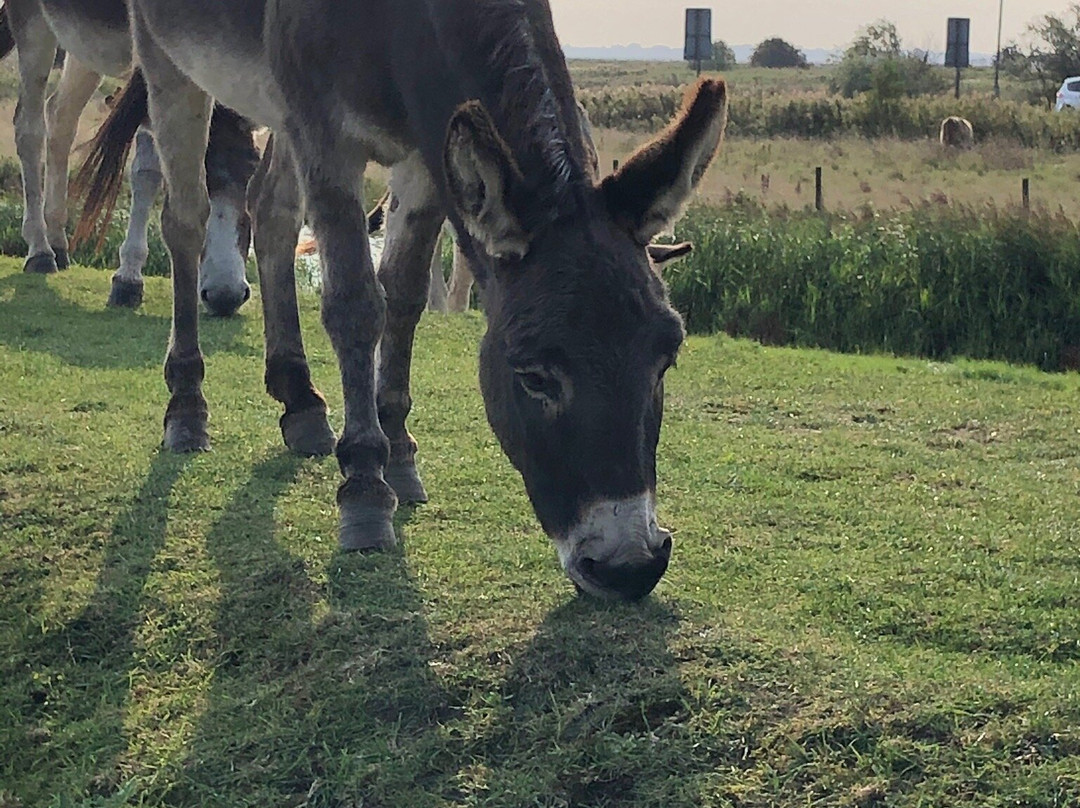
[(1068, 97)]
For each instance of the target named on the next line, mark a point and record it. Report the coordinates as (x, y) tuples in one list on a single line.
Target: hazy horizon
[(825, 24)]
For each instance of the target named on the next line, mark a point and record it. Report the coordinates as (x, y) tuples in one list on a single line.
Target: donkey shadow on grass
[(323, 689), (35, 317), (333, 692), (595, 707), (78, 678), (313, 681)]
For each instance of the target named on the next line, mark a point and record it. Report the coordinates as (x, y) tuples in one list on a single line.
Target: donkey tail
[(7, 36), (376, 217), (101, 175)]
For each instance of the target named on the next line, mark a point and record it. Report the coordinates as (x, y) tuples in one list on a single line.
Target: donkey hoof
[(366, 528), (125, 294), (41, 264), (186, 433), (308, 432), (405, 481), (62, 261)]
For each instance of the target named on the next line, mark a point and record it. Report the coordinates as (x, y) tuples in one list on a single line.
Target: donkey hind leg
[(353, 313), (436, 300), (461, 282), (145, 176), (37, 50), (63, 109), (412, 229), (180, 113), (275, 198)]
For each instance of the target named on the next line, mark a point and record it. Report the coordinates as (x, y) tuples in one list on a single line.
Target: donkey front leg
[(63, 110), (127, 281), (275, 197), (353, 312), (412, 230), (37, 50), (180, 113)]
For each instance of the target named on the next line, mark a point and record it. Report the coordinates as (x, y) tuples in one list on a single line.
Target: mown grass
[(873, 600)]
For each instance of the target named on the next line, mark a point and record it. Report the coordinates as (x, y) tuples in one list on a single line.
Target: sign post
[(956, 48), (698, 46), (997, 59)]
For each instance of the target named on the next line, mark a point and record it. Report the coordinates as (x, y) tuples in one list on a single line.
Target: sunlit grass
[(873, 600)]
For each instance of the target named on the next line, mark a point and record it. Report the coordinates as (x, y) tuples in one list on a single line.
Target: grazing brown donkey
[(471, 104), (957, 132)]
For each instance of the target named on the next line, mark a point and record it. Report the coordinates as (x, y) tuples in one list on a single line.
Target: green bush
[(934, 281), (88, 254)]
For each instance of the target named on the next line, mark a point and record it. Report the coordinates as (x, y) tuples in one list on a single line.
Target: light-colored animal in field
[(478, 124), (957, 133), (45, 130)]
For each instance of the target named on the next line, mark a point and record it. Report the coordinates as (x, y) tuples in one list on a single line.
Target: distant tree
[(877, 62), (723, 57), (1013, 60), (776, 52), (877, 40), (1053, 54)]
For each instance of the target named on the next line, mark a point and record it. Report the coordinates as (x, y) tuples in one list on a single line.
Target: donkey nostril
[(247, 293), (588, 566), (665, 548), (205, 296)]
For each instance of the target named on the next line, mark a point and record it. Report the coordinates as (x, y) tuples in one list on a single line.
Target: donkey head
[(231, 160), (580, 334)]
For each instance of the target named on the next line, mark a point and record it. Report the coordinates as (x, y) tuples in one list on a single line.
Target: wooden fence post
[(819, 200), (1025, 193)]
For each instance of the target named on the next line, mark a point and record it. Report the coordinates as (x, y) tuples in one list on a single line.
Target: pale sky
[(806, 23)]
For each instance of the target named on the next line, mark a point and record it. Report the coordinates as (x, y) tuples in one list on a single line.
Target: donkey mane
[(530, 98)]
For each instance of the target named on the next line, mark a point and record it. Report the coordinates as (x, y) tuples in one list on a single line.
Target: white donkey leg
[(412, 230), (180, 113), (274, 195), (145, 177), (436, 300), (37, 50), (461, 282), (353, 312), (62, 112), (461, 277)]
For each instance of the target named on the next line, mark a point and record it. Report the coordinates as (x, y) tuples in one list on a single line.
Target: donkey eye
[(538, 383)]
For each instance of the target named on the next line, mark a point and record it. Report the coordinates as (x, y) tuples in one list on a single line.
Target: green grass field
[(873, 601), (883, 174), (594, 73)]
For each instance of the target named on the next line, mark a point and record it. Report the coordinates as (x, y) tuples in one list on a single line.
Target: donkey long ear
[(647, 194), (480, 175)]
